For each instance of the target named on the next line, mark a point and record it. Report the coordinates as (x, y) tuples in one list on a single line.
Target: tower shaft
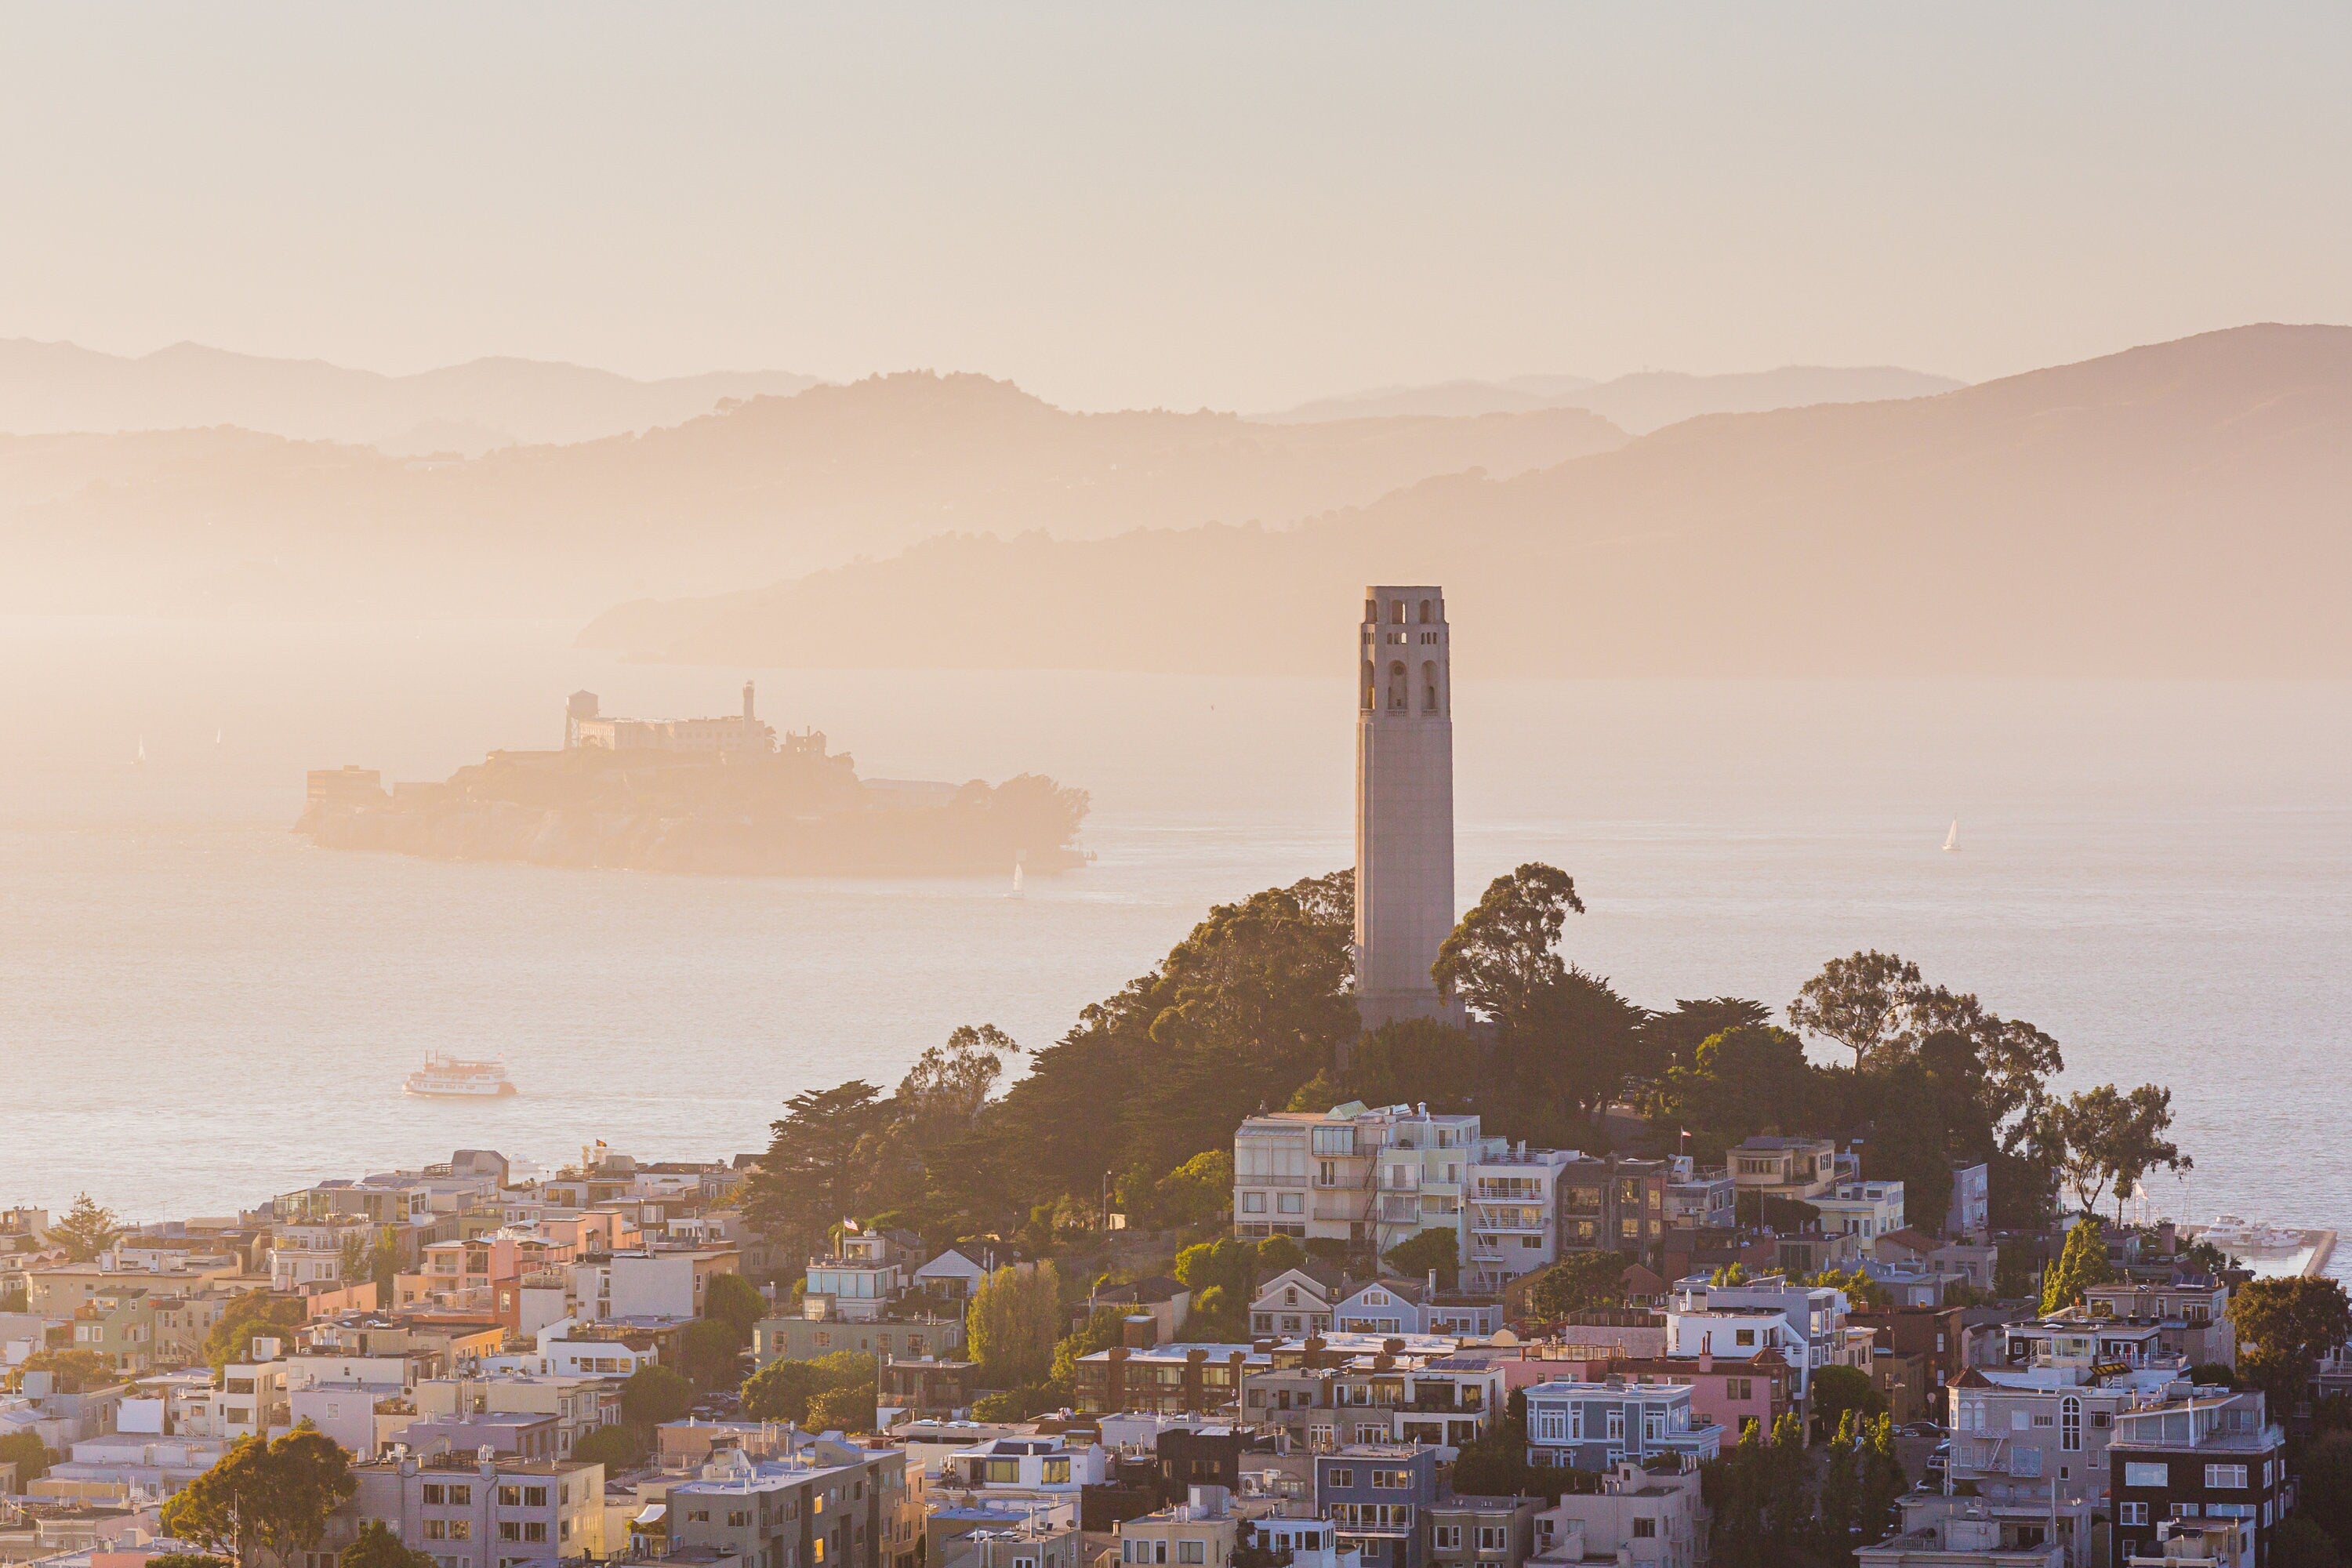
[(1404, 805)]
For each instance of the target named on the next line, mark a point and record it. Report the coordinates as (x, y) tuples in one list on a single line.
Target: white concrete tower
[(1404, 805)]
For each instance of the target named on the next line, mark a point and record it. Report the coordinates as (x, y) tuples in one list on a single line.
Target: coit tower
[(1404, 805)]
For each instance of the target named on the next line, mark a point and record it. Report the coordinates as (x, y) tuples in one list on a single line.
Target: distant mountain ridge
[(51, 389), (225, 519), (1641, 403), (2175, 510)]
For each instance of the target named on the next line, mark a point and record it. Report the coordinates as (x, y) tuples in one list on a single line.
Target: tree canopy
[(87, 1231), (264, 1497), (2285, 1328), (2103, 1137)]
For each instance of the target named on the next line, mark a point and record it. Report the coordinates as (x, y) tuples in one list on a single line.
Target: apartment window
[(1253, 1202), (1448, 1537), (1393, 1480), (460, 1529), (2140, 1474), (1646, 1528), (509, 1531), (1743, 1336), (1291, 1202), (432, 1492), (1056, 1472), (2131, 1513), (1739, 1388), (2025, 1463), (534, 1532), (1492, 1538), (434, 1529), (1191, 1552), (2070, 1425), (2221, 1478)]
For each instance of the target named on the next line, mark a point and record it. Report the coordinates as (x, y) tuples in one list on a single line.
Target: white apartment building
[(1355, 1174), (1815, 1318), (1514, 1217), (1863, 1210)]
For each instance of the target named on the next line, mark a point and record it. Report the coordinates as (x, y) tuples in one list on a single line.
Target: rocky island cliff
[(724, 796)]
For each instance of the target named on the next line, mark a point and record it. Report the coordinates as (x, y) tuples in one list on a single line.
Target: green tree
[(1502, 958), (843, 1410), (709, 1354), (1742, 1082), (13, 1297), (2285, 1327), (352, 1250), (1580, 1282), (616, 1447), (1838, 1514), (376, 1546), (1012, 1323), (820, 1165), (731, 1300), (1224, 1261), (76, 1371), (780, 1391), (254, 1315), (1278, 1253), (2082, 1264), (1432, 1249), (2324, 1483), (1215, 1316), (1104, 1329), (1671, 1039), (25, 1450), (1861, 1289), (187, 1559), (1884, 1481), (87, 1231), (1868, 1003), (1839, 1391), (1414, 1061), (2101, 1137), (654, 1395), (2297, 1542), (1197, 1191), (270, 1497)]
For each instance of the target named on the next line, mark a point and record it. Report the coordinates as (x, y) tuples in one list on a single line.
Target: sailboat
[(140, 760), (1952, 839), (1017, 860)]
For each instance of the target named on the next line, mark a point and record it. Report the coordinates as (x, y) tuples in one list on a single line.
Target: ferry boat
[(446, 1078), (2232, 1234)]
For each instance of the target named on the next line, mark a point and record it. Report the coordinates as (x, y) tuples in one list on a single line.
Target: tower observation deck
[(1404, 805)]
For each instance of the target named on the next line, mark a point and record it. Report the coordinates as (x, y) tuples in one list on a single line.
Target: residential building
[(576, 1405), (2193, 1312), (1311, 1542), (807, 1339), (832, 1506), (2197, 1543), (951, 1276), (857, 1284), (1932, 1333), (1025, 1544), (1355, 1173), (1469, 1531), (1600, 1426), (2023, 1434), (1613, 1205), (1729, 1392), (653, 1282), (1514, 1217), (1293, 1304), (1360, 1389), (2211, 1456), (1376, 1494), (120, 1326), (1968, 1216), (1037, 1476), (1166, 1301), (928, 1385), (1172, 1379), (1642, 1517), (1199, 1532), (1417, 1307), (1805, 1168), (1700, 1199), (1863, 1210), (1972, 1536), (467, 1511), (1715, 1318)]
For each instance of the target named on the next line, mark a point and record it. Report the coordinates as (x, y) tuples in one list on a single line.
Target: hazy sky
[(1241, 205)]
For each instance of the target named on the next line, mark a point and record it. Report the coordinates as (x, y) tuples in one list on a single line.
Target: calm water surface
[(198, 1010)]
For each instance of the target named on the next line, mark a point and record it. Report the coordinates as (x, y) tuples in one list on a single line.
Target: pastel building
[(1600, 1426)]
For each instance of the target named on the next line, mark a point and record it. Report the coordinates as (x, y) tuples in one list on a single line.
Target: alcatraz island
[(726, 795)]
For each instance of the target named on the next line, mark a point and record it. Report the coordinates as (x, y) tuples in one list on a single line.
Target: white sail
[(1952, 839)]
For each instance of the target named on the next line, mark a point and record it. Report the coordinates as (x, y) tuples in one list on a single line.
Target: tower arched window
[(2070, 1425), (1396, 701), (1373, 611), (1424, 612), (1371, 680), (1428, 688), (1396, 612)]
